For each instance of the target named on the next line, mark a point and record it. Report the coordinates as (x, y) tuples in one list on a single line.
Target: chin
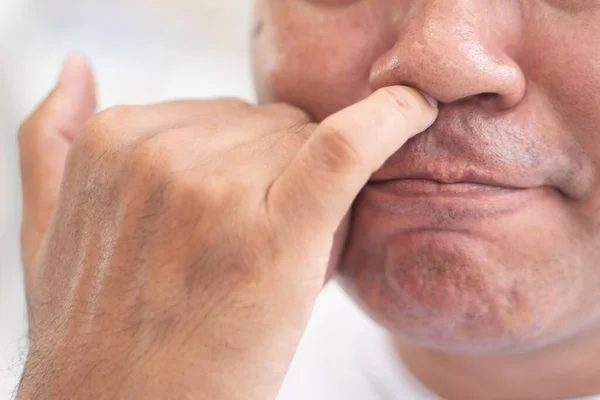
[(493, 285)]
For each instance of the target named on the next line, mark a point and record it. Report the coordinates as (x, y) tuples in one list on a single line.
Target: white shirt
[(346, 356)]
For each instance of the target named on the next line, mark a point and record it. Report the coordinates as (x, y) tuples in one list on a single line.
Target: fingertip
[(76, 80), (73, 100), (420, 109), (432, 100), (74, 64)]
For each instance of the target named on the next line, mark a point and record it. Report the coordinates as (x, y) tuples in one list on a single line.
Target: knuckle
[(151, 159), (190, 202), (101, 132), (99, 150), (214, 194), (112, 116), (223, 189), (402, 101), (92, 143), (165, 160), (162, 163), (335, 150)]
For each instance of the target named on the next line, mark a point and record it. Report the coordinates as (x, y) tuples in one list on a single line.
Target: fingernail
[(432, 100)]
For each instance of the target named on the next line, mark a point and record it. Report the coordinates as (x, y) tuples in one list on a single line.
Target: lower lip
[(460, 201)]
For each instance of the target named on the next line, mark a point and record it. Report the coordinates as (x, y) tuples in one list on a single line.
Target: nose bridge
[(454, 49), (442, 22)]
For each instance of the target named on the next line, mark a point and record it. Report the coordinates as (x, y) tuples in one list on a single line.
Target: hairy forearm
[(45, 381), (84, 374), (137, 374)]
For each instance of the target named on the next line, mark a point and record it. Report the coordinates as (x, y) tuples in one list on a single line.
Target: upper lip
[(467, 145), (447, 155)]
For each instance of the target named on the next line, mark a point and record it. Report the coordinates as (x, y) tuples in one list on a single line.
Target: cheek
[(317, 58), (565, 65), (563, 60)]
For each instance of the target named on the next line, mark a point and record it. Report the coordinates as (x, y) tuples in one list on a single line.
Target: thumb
[(320, 184), (44, 142)]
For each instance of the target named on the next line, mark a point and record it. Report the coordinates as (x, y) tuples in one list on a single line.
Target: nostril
[(491, 100), (487, 99)]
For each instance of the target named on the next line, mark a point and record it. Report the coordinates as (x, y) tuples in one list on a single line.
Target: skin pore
[(476, 245)]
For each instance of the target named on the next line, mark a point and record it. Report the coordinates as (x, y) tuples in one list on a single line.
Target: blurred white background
[(142, 51)]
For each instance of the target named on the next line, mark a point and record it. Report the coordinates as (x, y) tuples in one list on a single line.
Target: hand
[(190, 239)]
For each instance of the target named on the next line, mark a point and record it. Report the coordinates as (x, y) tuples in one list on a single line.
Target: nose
[(456, 50)]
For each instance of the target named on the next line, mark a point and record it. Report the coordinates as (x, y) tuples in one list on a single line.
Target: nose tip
[(452, 60)]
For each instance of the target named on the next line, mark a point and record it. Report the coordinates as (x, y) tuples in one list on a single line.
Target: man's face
[(481, 234)]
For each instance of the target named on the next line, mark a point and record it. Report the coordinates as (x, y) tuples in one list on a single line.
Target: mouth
[(431, 204), (431, 188), (452, 175), (451, 182)]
